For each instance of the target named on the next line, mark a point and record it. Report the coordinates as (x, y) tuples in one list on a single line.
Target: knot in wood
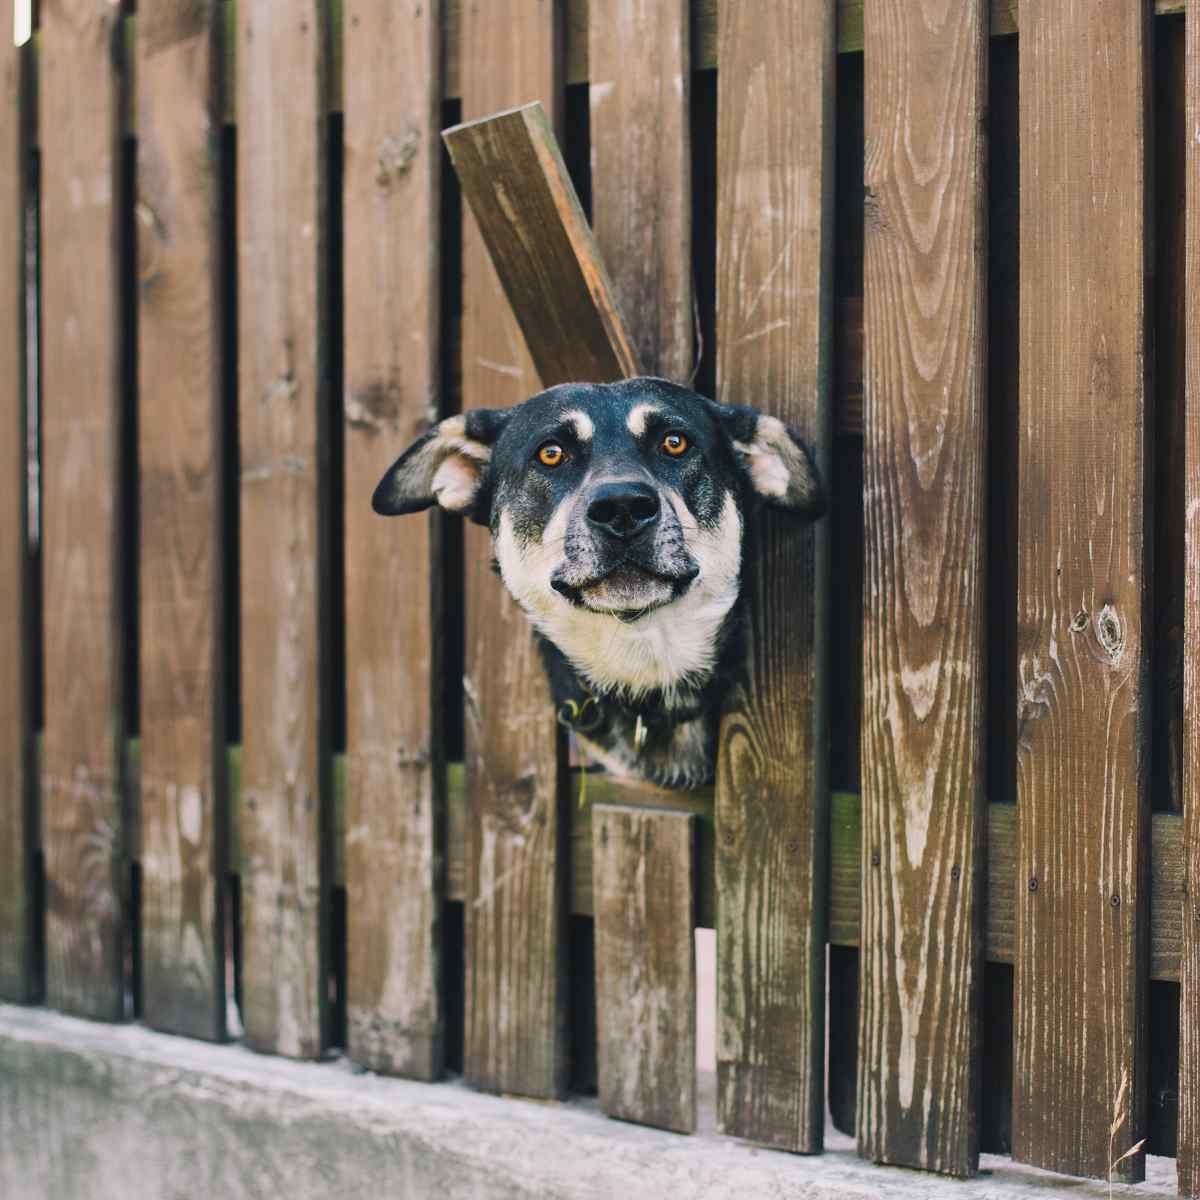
[(395, 156), (1110, 633)]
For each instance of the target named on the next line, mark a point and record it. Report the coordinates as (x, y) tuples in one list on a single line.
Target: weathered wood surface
[(516, 908), (643, 885), (1189, 905), (82, 419), (923, 787), (16, 833), (395, 791), (513, 178), (282, 409), (641, 173), (775, 308), (181, 475), (1083, 819)]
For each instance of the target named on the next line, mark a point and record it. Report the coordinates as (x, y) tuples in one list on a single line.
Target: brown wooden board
[(923, 797), (84, 833), (515, 1039), (282, 410), (394, 817), (1083, 818), (644, 887), (1189, 1022), (641, 172), (16, 834), (182, 777), (775, 307)]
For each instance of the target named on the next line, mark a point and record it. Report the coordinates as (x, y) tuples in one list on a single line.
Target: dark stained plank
[(513, 178), (1083, 817), (282, 409), (16, 834), (640, 70), (181, 690), (394, 810), (84, 838), (1189, 1008), (923, 786), (516, 907), (775, 309), (643, 884)]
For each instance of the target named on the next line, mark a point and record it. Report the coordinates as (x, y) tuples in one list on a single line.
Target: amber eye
[(551, 455), (674, 444)]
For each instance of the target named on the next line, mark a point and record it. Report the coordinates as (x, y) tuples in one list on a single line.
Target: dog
[(618, 515)]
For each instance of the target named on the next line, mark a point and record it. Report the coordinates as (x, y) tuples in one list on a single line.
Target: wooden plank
[(516, 909), (16, 831), (181, 787), (395, 795), (513, 178), (1083, 819), (643, 883), (775, 289), (923, 796), (81, 423), (641, 173), (282, 407), (1189, 907)]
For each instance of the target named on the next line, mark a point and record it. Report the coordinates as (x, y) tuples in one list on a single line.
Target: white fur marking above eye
[(636, 421), (584, 429)]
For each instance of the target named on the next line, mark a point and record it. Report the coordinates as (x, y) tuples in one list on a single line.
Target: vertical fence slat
[(644, 888), (16, 925), (394, 816), (640, 62), (1083, 824), (181, 781), (1189, 1012), (81, 780), (515, 1039), (282, 410), (774, 309), (923, 793)]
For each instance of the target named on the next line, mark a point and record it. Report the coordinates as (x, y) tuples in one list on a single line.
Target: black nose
[(623, 509)]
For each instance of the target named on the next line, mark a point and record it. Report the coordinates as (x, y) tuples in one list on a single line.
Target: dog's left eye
[(674, 444), (551, 454)]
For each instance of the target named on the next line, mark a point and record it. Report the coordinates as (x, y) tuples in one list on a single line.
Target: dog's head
[(617, 514)]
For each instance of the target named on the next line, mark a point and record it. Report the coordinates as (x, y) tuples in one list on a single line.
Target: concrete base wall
[(95, 1112)]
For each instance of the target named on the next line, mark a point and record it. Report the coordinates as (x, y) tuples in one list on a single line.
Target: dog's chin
[(629, 594)]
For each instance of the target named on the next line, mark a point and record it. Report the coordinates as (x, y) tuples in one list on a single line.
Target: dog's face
[(617, 515)]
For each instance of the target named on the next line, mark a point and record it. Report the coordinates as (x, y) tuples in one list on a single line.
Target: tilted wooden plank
[(394, 816), (181, 475), (923, 786), (641, 173), (16, 831), (282, 409), (643, 884), (1083, 819), (774, 316), (515, 1038), (1189, 903), (82, 420)]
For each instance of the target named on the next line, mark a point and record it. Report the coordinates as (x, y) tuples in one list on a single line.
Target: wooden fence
[(237, 763)]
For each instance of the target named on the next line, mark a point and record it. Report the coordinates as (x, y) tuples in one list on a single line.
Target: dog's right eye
[(551, 455)]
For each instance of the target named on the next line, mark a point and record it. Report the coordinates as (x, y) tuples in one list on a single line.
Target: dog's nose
[(623, 509)]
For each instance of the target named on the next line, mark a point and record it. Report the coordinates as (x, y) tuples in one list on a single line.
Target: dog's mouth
[(628, 592)]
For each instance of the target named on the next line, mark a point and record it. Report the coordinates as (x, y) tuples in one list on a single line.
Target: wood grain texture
[(182, 778), (641, 172), (84, 626), (282, 408), (644, 889), (395, 795), (1189, 907), (512, 176), (924, 820), (515, 1037), (774, 312), (1083, 819), (16, 832)]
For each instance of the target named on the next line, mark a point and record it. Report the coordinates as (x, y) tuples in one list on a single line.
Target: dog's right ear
[(447, 466)]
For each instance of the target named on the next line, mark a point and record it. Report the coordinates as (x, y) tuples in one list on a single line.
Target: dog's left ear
[(778, 464)]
